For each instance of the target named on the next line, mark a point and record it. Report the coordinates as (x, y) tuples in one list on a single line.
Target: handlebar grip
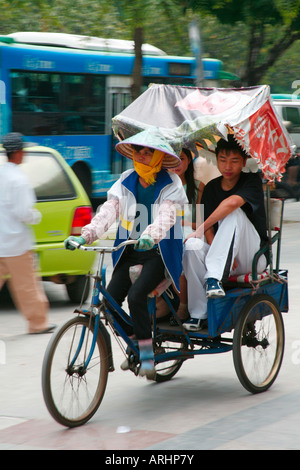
[(75, 244)]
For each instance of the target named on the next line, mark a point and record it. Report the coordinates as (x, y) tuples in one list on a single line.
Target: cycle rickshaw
[(247, 321)]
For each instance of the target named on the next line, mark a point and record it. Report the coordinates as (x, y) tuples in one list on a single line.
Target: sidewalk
[(292, 212)]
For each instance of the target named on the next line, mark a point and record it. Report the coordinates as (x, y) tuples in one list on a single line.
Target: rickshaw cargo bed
[(223, 312)]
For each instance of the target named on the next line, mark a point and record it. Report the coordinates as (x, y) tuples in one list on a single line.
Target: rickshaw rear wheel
[(166, 370), (258, 343)]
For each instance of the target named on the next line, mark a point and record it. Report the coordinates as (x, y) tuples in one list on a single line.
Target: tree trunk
[(255, 43), (137, 79), (254, 73)]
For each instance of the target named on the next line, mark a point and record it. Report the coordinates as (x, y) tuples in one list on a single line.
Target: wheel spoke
[(167, 370), (258, 343), (72, 391)]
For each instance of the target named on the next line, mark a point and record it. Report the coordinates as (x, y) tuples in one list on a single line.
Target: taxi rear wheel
[(79, 290)]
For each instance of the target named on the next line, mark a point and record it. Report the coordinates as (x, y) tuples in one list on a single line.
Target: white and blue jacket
[(169, 187)]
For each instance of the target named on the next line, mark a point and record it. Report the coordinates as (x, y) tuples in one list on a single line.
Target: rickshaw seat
[(275, 218), (135, 271)]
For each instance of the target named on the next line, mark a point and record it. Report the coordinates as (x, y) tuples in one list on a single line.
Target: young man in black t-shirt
[(234, 228)]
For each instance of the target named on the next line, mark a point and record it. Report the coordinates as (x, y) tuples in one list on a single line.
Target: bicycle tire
[(258, 343), (72, 395)]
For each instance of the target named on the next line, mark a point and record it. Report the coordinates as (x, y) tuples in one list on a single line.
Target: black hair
[(189, 178), (138, 148), (230, 146)]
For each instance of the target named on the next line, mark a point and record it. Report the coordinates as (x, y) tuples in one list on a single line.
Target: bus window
[(292, 115), (57, 103), (35, 91), (120, 99), (167, 81)]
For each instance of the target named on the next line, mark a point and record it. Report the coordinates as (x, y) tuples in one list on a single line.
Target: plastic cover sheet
[(196, 118)]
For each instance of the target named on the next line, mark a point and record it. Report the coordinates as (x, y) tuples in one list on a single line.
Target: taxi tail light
[(82, 216)]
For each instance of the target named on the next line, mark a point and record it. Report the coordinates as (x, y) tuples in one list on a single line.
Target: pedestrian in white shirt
[(17, 212)]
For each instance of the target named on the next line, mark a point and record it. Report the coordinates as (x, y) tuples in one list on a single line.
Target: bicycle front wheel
[(258, 343), (73, 389)]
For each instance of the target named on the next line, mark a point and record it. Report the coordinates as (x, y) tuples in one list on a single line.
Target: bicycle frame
[(113, 310), (97, 307), (80, 352)]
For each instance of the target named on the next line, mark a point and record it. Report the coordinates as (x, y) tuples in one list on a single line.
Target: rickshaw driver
[(234, 227), (157, 230)]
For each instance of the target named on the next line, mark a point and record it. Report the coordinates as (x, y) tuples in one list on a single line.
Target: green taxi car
[(65, 209)]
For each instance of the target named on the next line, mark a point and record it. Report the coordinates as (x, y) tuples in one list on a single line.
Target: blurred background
[(257, 40), (63, 97), (61, 85)]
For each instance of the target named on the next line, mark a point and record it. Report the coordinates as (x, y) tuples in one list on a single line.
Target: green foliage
[(272, 27), (256, 39)]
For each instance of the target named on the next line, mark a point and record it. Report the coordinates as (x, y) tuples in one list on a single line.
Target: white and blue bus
[(62, 91)]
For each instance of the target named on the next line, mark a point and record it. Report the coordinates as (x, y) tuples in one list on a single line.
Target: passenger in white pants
[(234, 228), (202, 261)]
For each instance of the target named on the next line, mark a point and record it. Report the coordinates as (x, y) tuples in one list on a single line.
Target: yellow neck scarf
[(148, 172)]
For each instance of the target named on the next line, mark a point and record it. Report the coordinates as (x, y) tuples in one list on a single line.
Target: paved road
[(203, 407)]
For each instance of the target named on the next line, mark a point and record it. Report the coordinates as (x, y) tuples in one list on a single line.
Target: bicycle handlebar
[(108, 249)]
